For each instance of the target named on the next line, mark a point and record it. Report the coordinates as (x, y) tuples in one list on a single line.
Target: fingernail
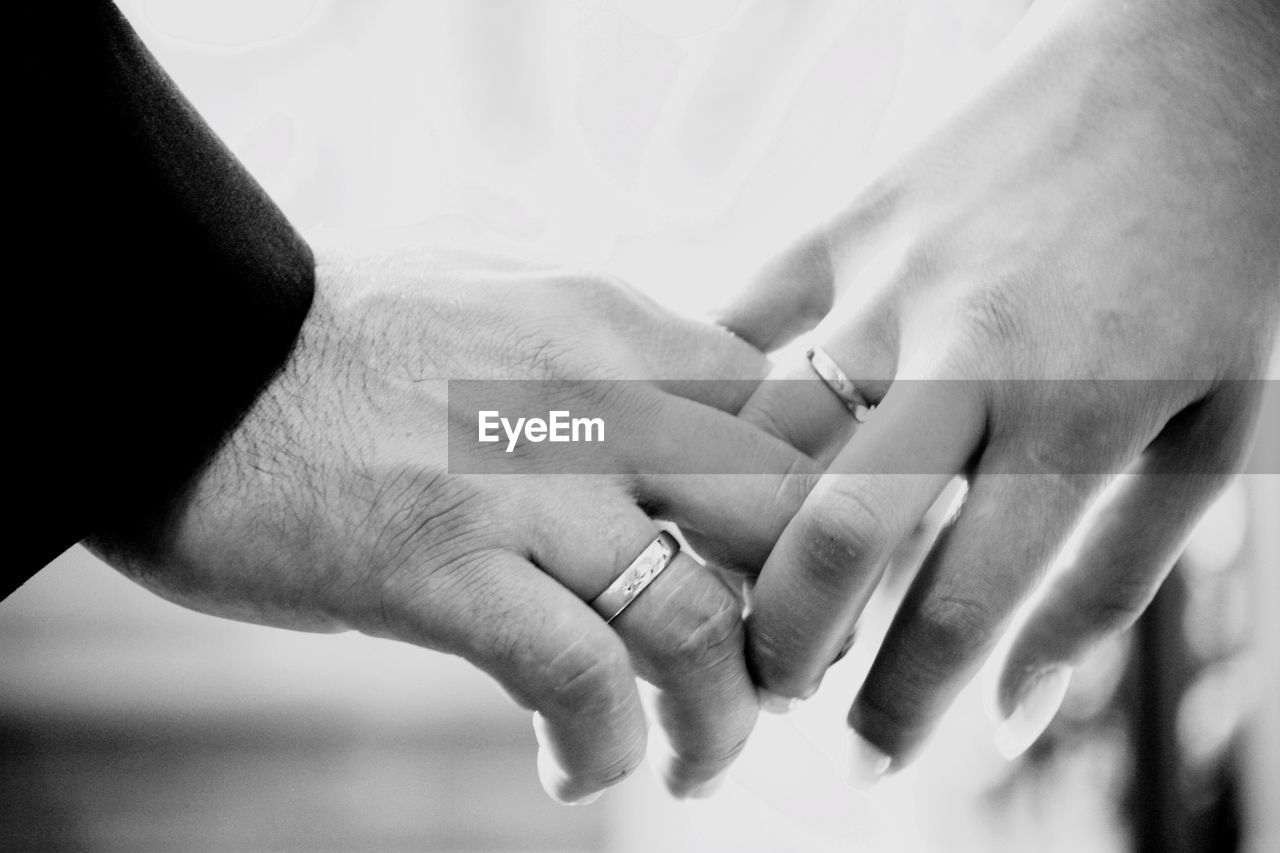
[(1036, 707), (707, 788), (584, 801), (867, 763), (776, 703)]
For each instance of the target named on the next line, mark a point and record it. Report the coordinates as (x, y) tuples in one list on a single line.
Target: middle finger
[(684, 632)]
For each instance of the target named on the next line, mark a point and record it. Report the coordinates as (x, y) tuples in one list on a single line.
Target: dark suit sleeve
[(155, 287)]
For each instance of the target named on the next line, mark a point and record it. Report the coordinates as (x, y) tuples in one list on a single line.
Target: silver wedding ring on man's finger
[(636, 577), (845, 389)]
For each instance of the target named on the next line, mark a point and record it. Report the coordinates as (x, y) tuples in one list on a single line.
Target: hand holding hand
[(1108, 208), (332, 506)]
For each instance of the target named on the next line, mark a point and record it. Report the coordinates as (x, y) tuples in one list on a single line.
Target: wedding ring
[(627, 587), (839, 383)]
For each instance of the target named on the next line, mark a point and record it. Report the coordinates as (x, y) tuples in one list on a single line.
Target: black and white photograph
[(643, 426)]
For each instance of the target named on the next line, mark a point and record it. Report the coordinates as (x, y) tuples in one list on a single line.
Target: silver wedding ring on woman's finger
[(839, 382), (637, 576)]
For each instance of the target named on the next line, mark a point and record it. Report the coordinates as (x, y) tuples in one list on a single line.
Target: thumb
[(789, 296)]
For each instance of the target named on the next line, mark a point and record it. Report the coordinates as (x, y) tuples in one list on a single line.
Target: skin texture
[(1106, 206), (331, 507)]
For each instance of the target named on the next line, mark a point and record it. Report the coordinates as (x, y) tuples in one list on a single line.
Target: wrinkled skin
[(1106, 206), (332, 507)]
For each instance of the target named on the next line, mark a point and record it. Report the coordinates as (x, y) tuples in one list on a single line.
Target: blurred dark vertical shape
[(1180, 803)]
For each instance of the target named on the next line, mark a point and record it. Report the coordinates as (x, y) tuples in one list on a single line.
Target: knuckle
[(714, 638), (592, 285), (645, 409), (953, 629), (601, 295), (1060, 428), (1063, 455), (992, 313), (795, 484), (773, 415), (590, 679), (782, 499)]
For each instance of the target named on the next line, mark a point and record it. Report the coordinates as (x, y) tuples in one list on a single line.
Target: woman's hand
[(332, 506), (1107, 208)]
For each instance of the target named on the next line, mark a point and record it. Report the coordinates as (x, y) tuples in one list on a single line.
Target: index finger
[(830, 557), (716, 474)]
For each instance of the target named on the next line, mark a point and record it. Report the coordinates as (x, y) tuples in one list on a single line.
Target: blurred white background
[(677, 144)]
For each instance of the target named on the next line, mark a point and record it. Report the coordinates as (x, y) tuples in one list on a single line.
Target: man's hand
[(1108, 208), (332, 506)]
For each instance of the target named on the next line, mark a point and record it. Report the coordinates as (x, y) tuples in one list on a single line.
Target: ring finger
[(684, 631), (798, 404)]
